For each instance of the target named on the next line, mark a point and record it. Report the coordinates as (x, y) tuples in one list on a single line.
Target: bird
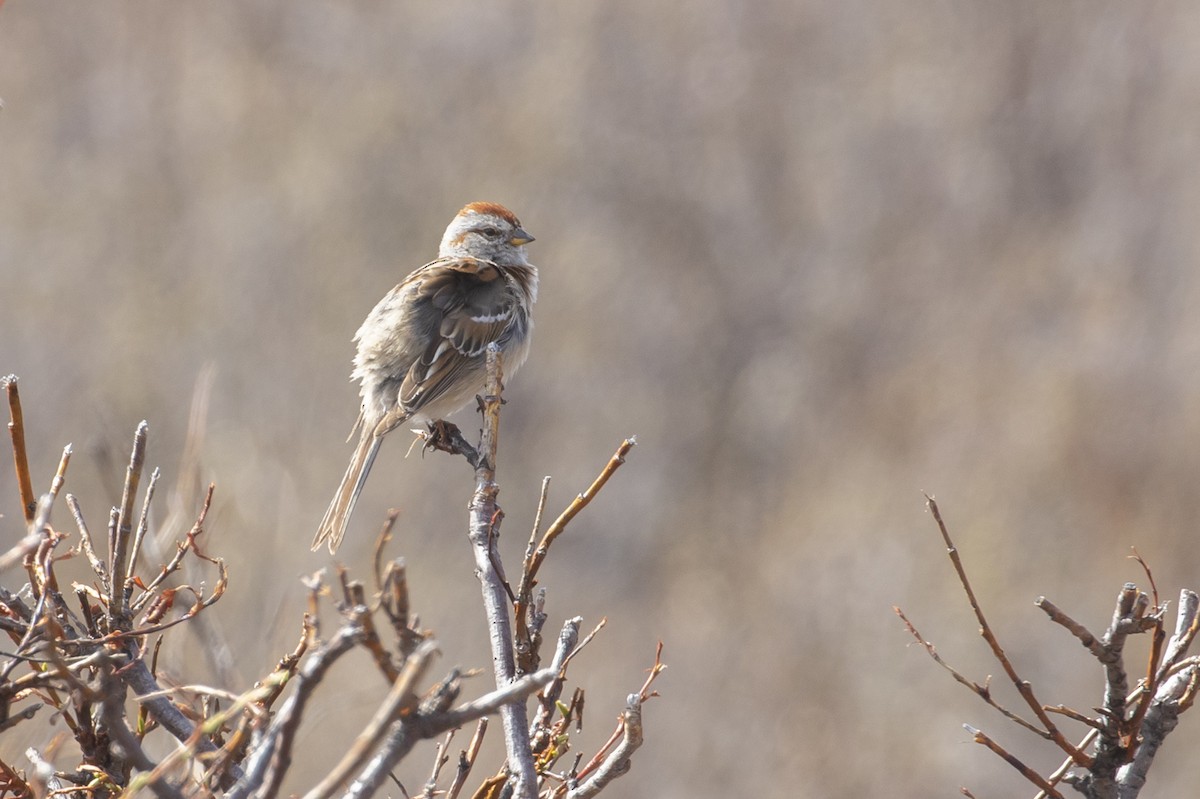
[(422, 349)]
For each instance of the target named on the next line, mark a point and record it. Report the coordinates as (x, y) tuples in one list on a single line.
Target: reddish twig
[(980, 738), (1023, 687), (16, 430)]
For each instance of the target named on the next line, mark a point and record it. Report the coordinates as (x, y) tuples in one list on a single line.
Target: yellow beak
[(520, 237)]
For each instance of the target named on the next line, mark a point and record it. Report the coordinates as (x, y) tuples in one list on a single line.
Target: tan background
[(818, 256)]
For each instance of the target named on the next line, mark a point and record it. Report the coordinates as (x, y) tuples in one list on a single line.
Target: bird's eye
[(491, 232)]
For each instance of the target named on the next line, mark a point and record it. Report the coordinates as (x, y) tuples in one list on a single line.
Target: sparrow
[(421, 350)]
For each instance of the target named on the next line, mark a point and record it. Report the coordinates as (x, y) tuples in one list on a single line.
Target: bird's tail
[(333, 526)]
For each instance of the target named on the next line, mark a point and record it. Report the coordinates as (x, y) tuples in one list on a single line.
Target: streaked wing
[(470, 304)]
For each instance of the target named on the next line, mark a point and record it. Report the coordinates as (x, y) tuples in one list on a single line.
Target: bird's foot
[(442, 436)]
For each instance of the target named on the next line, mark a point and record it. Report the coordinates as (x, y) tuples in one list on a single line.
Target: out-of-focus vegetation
[(817, 256)]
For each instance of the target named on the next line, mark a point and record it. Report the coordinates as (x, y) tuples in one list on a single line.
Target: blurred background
[(818, 256)]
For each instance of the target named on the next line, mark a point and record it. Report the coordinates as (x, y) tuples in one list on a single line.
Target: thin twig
[(23, 548), (400, 699), (610, 761), (1187, 624), (981, 738), (537, 518), (535, 555), (60, 476), (466, 759), (404, 734), (619, 760), (381, 541), (440, 759), (16, 431), (89, 550), (984, 691), (265, 767), (514, 692), (181, 549), (143, 522), (535, 559), (567, 638), (148, 692), (1056, 614), (118, 565), (1023, 687)]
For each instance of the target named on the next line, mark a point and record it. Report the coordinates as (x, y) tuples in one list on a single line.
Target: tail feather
[(333, 525)]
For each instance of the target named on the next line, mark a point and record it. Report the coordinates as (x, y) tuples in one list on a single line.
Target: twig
[(587, 639), (498, 699), (1075, 715), (60, 476), (466, 759), (143, 522), (1187, 624), (1174, 696), (534, 561), (265, 767), (1091, 642), (206, 728), (567, 638), (381, 541), (619, 760), (1022, 686), (148, 692), (115, 726), (537, 518), (602, 762), (23, 548), (404, 734), (89, 550), (234, 748), (984, 691), (181, 549), (118, 565), (535, 555), (440, 759), (16, 430), (981, 738), (400, 699)]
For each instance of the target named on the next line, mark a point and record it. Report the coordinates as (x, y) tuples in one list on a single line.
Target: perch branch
[(483, 513)]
